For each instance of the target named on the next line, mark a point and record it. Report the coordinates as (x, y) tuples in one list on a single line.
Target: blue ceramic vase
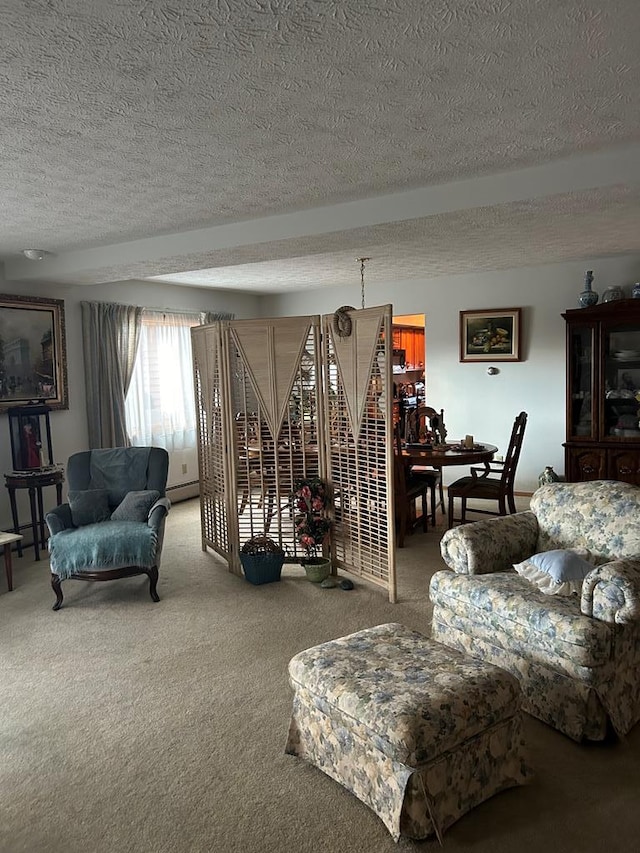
[(588, 296)]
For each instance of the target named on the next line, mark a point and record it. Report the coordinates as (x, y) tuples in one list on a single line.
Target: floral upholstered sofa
[(577, 656)]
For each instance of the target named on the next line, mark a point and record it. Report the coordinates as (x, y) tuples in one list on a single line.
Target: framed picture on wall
[(491, 335), (33, 359)]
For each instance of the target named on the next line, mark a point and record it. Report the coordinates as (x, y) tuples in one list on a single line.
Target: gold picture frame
[(33, 358), (491, 335)]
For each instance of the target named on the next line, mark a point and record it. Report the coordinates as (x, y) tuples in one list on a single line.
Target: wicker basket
[(262, 560), (262, 568)]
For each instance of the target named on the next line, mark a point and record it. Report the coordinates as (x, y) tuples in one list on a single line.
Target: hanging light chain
[(362, 263)]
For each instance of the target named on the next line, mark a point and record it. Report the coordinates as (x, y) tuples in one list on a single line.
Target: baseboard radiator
[(183, 491)]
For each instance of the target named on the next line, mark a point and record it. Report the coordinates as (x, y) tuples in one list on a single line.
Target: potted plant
[(310, 503), (262, 560)]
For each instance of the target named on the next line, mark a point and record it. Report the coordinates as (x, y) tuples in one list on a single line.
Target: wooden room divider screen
[(285, 398)]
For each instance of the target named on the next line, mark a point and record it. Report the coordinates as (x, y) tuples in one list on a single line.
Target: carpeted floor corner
[(160, 728)]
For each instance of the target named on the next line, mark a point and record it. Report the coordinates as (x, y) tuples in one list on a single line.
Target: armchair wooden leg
[(56, 585), (153, 582)]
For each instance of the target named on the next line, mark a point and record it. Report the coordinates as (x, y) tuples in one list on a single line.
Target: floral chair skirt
[(418, 732), (568, 704)]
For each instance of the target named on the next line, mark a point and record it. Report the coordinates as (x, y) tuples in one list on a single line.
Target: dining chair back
[(424, 421), (406, 490), (480, 485)]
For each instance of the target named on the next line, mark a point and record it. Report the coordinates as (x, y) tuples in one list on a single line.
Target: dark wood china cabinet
[(603, 392)]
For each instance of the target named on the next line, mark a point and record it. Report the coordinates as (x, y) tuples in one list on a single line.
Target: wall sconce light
[(492, 371), (36, 254)]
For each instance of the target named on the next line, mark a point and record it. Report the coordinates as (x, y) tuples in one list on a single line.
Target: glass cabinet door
[(581, 406), (621, 387)]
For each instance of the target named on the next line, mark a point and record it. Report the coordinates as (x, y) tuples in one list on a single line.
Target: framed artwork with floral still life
[(491, 335), (33, 359)]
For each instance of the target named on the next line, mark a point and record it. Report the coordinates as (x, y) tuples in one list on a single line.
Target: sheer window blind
[(160, 408)]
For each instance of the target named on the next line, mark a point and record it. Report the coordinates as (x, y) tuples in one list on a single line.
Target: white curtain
[(160, 407)]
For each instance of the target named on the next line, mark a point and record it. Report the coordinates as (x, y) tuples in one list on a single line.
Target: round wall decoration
[(342, 321)]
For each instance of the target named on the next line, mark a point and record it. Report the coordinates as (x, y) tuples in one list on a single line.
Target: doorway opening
[(409, 364)]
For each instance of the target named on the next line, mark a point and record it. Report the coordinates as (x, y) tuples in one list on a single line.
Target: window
[(160, 407)]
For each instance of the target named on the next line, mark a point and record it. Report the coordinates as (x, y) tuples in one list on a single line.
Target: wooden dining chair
[(480, 485), (422, 421), (407, 490)]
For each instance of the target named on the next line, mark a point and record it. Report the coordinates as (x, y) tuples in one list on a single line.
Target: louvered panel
[(212, 459), (276, 404), (271, 352), (277, 423), (358, 398)]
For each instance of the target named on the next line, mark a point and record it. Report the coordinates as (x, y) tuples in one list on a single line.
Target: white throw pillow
[(558, 572)]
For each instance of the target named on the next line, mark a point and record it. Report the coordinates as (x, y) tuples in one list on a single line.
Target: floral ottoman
[(417, 731)]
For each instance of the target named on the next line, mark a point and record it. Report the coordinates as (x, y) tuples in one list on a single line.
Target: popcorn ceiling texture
[(126, 120), (486, 238)]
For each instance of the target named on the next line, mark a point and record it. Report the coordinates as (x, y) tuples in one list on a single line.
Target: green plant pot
[(317, 568)]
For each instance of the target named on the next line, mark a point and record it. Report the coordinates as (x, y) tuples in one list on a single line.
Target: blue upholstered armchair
[(113, 524)]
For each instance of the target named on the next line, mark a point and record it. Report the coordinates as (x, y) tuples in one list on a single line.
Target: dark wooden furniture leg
[(463, 510), (441, 490), (57, 588), (107, 575), (43, 541), (432, 498), (153, 582), (14, 516), (8, 568), (34, 520)]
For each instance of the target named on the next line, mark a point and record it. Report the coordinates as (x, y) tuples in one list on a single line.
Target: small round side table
[(35, 481)]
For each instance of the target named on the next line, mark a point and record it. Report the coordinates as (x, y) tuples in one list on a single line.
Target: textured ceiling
[(135, 121)]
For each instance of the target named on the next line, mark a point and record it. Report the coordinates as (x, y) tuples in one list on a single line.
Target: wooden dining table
[(443, 455), (439, 456)]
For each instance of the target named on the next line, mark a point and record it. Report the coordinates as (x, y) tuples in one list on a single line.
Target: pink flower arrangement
[(310, 501)]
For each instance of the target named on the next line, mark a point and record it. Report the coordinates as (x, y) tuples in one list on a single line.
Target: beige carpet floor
[(140, 727)]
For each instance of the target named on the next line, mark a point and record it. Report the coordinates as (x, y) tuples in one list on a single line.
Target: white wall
[(69, 427), (485, 406)]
